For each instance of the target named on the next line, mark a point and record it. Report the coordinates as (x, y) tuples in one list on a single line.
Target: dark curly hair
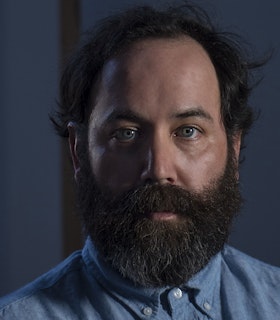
[(115, 34)]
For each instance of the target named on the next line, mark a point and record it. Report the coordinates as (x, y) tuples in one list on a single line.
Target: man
[(155, 108)]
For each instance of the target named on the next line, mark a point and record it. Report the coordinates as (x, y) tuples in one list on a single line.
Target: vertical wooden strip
[(69, 36)]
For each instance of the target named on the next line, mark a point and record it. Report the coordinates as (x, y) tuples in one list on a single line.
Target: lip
[(163, 216)]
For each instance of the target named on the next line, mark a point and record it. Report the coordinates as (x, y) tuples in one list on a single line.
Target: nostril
[(155, 181)]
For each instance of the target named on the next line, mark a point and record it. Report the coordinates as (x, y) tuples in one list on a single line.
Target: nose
[(159, 163)]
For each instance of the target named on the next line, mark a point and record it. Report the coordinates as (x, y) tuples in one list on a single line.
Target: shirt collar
[(204, 286)]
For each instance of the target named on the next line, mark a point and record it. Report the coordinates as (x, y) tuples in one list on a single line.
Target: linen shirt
[(231, 286)]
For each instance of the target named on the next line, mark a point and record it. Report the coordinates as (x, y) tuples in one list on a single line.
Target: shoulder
[(39, 292), (241, 264), (250, 283)]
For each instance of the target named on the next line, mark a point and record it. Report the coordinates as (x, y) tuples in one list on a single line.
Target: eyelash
[(194, 130), (122, 131)]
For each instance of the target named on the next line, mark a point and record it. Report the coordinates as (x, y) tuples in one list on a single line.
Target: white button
[(207, 306), (177, 293), (147, 311)]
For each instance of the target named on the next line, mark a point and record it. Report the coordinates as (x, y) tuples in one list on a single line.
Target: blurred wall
[(30, 221), (30, 184)]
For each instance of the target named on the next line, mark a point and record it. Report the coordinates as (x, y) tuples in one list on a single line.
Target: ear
[(236, 143), (73, 144)]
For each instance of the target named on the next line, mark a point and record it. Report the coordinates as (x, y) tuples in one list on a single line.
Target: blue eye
[(187, 132), (125, 134)]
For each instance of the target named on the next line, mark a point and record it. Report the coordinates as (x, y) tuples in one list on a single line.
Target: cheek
[(215, 164), (199, 170), (115, 171)]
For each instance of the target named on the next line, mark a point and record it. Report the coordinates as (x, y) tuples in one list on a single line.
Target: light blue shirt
[(233, 286)]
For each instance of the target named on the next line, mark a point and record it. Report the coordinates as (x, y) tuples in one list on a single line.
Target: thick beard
[(159, 253)]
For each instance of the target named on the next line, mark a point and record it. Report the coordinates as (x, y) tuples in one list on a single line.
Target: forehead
[(159, 75)]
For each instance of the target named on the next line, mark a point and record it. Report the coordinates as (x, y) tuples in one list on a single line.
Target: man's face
[(158, 188), (157, 119)]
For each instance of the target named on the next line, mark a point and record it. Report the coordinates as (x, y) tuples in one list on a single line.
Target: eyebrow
[(124, 114), (198, 112), (133, 116)]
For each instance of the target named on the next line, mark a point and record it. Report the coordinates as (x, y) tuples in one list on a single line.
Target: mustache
[(156, 198)]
